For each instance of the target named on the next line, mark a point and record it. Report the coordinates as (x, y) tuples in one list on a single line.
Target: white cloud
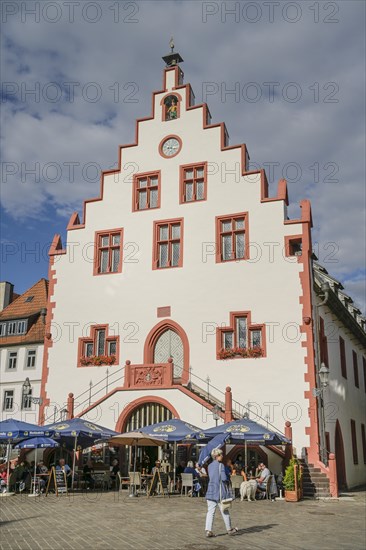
[(308, 133)]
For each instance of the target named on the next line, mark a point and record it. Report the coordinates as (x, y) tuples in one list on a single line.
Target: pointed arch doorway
[(339, 453), (168, 339)]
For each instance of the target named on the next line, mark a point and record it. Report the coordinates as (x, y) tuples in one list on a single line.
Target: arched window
[(171, 107), (146, 414), (169, 344)]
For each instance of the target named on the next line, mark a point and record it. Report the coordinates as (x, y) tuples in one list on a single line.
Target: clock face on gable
[(170, 146)]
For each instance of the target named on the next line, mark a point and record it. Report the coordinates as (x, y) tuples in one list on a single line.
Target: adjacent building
[(22, 329)]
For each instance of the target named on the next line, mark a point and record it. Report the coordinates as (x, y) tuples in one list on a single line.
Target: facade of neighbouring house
[(187, 278), (22, 328)]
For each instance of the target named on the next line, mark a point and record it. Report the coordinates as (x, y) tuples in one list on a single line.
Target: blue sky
[(298, 103)]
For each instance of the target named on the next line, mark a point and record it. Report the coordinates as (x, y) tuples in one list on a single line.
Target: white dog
[(248, 489)]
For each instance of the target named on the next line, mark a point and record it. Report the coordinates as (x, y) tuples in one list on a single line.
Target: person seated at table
[(87, 474), (263, 477), (42, 473), (114, 469), (22, 476), (229, 467), (3, 481), (201, 470), (66, 468), (239, 471), (189, 469), (239, 462)]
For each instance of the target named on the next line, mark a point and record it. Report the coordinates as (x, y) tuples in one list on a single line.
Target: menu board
[(57, 482)]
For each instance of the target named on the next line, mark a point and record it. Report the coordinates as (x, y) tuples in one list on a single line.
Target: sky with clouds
[(76, 75)]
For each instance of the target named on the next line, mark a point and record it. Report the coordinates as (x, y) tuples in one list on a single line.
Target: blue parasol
[(12, 430), (79, 430), (36, 443)]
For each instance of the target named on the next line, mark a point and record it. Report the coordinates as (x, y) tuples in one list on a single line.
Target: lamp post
[(26, 394), (216, 413)]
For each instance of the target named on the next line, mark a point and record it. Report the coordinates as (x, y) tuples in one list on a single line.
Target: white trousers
[(211, 509)]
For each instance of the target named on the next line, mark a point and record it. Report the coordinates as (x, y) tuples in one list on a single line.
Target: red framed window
[(168, 244), (342, 353), (232, 237), (108, 252), (363, 436), (240, 339), (354, 442), (99, 348), (355, 369), (193, 182), (146, 191)]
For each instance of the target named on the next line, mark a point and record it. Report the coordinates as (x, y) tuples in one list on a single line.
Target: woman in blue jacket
[(218, 489)]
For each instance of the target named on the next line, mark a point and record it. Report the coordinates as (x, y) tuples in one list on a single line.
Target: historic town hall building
[(184, 277)]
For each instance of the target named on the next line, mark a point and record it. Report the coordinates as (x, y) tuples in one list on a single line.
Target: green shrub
[(289, 479)]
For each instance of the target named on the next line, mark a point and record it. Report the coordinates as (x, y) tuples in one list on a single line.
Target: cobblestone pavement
[(113, 521)]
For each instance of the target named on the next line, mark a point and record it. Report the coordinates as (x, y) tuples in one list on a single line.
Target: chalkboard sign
[(164, 479), (57, 482), (154, 483), (159, 483)]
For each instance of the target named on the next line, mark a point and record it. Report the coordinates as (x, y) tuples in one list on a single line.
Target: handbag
[(225, 503)]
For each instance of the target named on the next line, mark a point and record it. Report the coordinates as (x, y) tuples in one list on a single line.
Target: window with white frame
[(8, 403), (12, 327), (12, 360), (2, 329), (27, 400), (22, 327), (31, 358)]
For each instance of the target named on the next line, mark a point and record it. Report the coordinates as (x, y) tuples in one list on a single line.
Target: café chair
[(122, 481), (187, 482)]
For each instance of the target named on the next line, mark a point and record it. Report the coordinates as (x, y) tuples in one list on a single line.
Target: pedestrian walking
[(218, 494)]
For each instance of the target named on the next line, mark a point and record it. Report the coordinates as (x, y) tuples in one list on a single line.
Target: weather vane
[(171, 44)]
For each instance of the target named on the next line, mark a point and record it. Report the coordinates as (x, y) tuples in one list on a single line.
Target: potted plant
[(292, 481)]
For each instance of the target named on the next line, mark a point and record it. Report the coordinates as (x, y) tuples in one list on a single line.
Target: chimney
[(6, 294)]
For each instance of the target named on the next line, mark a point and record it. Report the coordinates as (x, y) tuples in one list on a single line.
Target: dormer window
[(171, 107), (13, 328)]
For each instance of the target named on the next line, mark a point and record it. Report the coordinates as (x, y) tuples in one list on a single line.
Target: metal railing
[(87, 397)]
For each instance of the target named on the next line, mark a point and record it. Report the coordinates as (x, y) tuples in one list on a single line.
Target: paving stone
[(110, 520)]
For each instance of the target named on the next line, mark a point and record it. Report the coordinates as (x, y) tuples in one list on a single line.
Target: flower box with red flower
[(98, 360), (233, 353)]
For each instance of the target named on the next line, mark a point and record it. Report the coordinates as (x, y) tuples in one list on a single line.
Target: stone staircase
[(315, 483)]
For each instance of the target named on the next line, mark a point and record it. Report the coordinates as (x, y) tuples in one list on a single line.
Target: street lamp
[(27, 391), (216, 413), (324, 380)]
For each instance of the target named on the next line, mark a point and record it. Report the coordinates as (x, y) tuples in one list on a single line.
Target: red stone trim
[(182, 169), (231, 328), (135, 188), (170, 136), (48, 342), (74, 222), (56, 246), (218, 221), (164, 311), (155, 256), (99, 234), (91, 339), (128, 410), (153, 336), (289, 241)]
